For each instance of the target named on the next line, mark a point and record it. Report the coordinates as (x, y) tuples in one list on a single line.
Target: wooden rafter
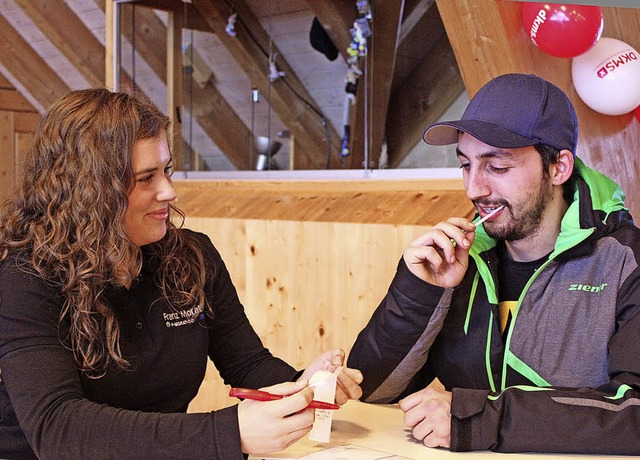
[(387, 17), (151, 44), (290, 99), (151, 36), (421, 30), (63, 28), (222, 123), (429, 90), (374, 86), (193, 19), (414, 12), (83, 50), (12, 101), (35, 75), (426, 81), (69, 34)]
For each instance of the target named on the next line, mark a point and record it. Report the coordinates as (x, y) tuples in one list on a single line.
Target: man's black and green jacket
[(566, 375)]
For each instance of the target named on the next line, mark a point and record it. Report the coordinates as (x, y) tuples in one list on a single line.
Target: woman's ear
[(561, 170)]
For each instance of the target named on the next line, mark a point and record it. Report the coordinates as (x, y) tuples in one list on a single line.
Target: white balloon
[(607, 77)]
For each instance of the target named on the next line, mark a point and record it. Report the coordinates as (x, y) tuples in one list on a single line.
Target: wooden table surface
[(363, 431)]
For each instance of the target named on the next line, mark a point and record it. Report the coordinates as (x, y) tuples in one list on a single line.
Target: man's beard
[(526, 222)]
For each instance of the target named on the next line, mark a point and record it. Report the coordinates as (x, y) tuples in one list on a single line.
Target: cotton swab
[(488, 216)]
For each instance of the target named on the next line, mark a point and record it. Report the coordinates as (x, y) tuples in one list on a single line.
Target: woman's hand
[(272, 426), (349, 380)]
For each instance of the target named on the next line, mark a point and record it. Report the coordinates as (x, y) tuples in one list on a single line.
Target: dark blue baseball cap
[(511, 111)]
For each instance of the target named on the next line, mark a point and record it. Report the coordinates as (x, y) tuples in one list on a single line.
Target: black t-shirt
[(512, 278)]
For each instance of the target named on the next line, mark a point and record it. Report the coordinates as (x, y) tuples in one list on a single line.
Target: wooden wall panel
[(16, 136), (7, 154), (18, 121), (23, 143), (12, 100), (488, 40), (306, 286), (311, 259), (408, 202), (26, 122)]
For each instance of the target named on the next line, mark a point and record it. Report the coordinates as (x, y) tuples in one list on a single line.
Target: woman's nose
[(166, 192)]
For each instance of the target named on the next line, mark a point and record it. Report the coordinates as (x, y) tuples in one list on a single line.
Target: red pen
[(260, 395)]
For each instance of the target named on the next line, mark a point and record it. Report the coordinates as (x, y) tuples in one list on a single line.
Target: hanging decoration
[(359, 34), (274, 73), (562, 30), (606, 77), (231, 25), (321, 41), (605, 71), (358, 48)]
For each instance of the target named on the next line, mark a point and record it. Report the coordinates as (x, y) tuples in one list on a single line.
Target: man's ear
[(561, 170)]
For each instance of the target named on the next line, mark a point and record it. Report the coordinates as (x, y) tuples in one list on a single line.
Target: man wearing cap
[(530, 320)]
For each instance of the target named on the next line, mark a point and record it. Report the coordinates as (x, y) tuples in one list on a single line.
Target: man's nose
[(476, 185)]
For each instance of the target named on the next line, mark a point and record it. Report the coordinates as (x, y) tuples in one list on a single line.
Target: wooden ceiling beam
[(427, 93), (72, 38), (414, 11), (17, 56), (289, 98), (193, 19), (425, 83), (151, 36), (68, 33), (337, 18), (386, 21), (222, 123), (421, 30)]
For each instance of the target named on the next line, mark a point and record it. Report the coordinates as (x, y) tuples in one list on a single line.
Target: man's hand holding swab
[(441, 256)]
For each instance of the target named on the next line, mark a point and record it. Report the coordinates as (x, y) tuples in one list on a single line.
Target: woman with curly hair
[(109, 312)]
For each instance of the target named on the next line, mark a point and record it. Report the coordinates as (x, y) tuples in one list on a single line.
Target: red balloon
[(562, 30)]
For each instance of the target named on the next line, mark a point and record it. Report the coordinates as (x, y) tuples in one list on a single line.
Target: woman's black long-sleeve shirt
[(137, 413)]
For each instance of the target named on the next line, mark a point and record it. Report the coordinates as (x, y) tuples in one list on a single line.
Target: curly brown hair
[(65, 222)]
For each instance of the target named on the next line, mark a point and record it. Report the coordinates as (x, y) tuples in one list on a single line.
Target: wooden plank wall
[(488, 39), (18, 120), (311, 260)]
